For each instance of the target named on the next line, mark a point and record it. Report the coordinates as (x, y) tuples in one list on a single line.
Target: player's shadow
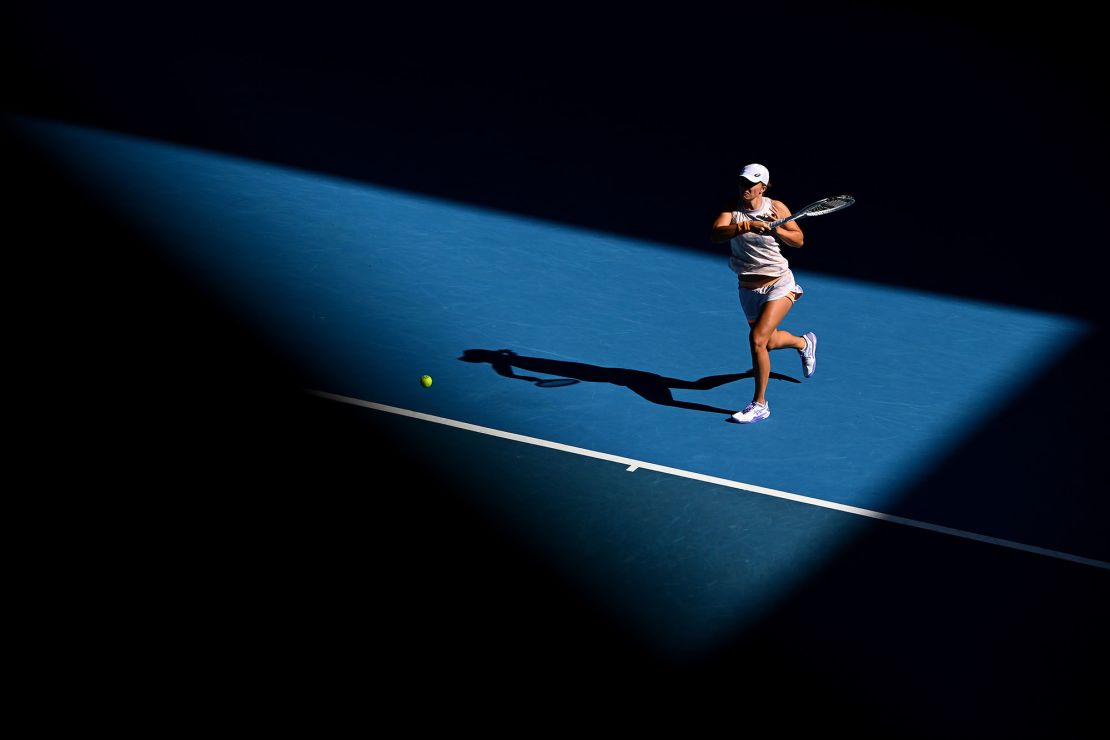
[(650, 386)]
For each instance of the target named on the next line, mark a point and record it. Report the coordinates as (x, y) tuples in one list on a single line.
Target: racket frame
[(807, 211)]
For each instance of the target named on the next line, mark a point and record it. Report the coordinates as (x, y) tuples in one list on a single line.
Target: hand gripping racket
[(819, 208)]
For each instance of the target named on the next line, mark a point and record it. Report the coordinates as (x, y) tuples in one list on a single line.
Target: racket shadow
[(649, 386)]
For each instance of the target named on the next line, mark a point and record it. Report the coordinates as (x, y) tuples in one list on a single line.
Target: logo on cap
[(756, 173)]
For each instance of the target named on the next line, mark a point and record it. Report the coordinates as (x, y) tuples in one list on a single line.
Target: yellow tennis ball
[(426, 381)]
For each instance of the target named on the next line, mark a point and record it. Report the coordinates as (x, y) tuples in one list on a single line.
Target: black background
[(229, 544), (971, 138)]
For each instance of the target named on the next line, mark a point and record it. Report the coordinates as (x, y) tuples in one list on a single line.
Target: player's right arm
[(724, 228)]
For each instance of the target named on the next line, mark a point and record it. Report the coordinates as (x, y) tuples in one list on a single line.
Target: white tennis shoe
[(752, 413), (809, 354)]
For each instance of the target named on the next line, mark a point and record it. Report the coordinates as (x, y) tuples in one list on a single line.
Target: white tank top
[(756, 254)]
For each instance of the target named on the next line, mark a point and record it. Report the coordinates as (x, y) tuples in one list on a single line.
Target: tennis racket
[(819, 208)]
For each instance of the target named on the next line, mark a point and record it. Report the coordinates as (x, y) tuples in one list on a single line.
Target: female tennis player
[(766, 284)]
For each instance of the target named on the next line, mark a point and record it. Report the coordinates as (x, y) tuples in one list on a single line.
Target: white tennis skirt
[(753, 299)]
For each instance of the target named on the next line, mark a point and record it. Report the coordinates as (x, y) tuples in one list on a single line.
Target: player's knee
[(759, 338)]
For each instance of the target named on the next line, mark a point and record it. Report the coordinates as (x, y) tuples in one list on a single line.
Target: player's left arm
[(789, 234)]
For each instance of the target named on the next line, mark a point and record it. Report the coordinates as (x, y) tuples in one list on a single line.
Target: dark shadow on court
[(650, 386), (1015, 481)]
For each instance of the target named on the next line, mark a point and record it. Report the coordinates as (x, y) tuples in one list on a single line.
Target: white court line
[(634, 464)]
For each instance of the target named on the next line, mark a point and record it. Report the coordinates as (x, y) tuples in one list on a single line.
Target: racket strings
[(829, 204)]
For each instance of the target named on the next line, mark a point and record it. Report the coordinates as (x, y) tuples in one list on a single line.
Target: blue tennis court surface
[(626, 350), (592, 340)]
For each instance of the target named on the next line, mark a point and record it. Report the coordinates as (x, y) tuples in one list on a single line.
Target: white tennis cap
[(756, 173)]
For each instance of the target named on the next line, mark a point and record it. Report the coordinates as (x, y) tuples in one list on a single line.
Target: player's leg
[(759, 340), (806, 345), (785, 340)]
